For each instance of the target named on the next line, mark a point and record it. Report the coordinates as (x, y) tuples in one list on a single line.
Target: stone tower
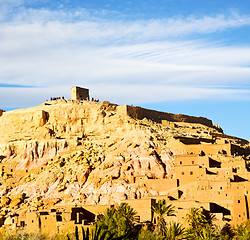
[(78, 93)]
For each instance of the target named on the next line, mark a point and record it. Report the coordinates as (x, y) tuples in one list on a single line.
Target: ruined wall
[(140, 113)]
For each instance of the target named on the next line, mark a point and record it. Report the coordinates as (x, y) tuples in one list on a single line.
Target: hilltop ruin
[(65, 161)]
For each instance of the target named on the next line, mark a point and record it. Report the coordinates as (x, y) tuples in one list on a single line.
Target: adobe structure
[(71, 160), (1, 112), (79, 93)]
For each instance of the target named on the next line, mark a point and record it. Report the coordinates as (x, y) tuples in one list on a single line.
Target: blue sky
[(180, 56)]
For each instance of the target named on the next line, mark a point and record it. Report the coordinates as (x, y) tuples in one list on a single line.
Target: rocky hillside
[(65, 152)]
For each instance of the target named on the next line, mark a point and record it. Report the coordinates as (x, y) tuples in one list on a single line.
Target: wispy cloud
[(6, 85), (87, 26), (135, 94), (45, 48)]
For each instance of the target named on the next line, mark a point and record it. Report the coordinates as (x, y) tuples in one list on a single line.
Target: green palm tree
[(196, 219), (97, 233), (127, 212), (242, 231), (205, 233), (119, 222), (161, 209), (174, 231)]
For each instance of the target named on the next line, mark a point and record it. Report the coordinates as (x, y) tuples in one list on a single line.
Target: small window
[(11, 170), (238, 201), (22, 223), (239, 215), (13, 220), (192, 162), (182, 173), (26, 170), (180, 162), (45, 217), (32, 221), (226, 195), (220, 188), (191, 173)]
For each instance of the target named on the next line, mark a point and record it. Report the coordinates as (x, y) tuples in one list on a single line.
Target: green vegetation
[(161, 209), (121, 223)]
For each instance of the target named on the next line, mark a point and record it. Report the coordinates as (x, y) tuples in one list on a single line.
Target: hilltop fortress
[(65, 161)]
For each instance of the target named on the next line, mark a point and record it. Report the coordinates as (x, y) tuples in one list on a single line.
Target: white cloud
[(157, 63), (83, 26), (42, 48), (135, 94)]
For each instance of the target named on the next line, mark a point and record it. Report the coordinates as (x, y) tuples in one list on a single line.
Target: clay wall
[(216, 173), (179, 148), (187, 174), (53, 220), (239, 188), (142, 207), (33, 222), (209, 149), (215, 191), (156, 116), (193, 159), (186, 159), (188, 191), (173, 193), (95, 210), (240, 211), (226, 197), (158, 184), (66, 226), (48, 223), (19, 222), (238, 166)]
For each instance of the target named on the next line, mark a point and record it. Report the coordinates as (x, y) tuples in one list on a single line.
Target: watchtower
[(78, 93)]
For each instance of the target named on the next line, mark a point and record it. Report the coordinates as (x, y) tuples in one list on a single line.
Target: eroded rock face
[(65, 152)]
